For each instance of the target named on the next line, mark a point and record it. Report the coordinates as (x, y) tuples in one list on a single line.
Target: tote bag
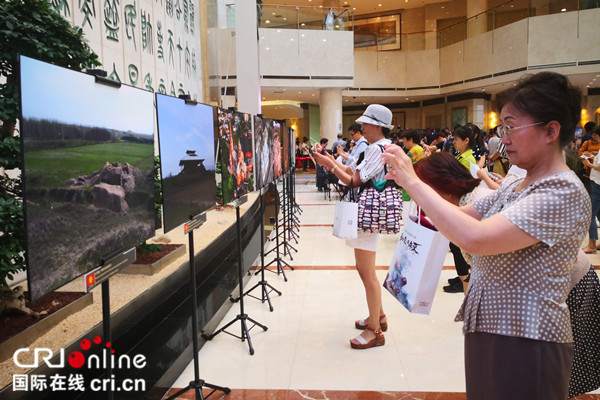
[(415, 269), (380, 211), (345, 220)]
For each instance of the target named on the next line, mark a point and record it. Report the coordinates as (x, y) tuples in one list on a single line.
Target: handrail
[(446, 36)]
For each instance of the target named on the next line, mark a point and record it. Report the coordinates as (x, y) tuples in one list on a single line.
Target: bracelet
[(333, 169)]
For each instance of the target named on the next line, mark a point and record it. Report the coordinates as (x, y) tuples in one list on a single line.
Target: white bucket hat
[(376, 114)]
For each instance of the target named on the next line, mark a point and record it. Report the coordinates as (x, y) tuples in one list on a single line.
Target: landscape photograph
[(186, 136), (88, 173)]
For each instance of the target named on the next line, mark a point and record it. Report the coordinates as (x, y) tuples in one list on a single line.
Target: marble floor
[(305, 353)]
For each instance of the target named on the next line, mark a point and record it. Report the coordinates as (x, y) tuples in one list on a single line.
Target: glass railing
[(301, 17), (385, 33)]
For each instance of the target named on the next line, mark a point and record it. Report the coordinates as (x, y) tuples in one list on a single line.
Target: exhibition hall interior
[(166, 238)]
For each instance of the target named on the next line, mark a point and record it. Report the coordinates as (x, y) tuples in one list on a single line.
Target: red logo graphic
[(77, 359)]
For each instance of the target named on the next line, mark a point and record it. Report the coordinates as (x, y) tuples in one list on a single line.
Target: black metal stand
[(242, 317), (263, 284), (197, 384), (287, 248), (106, 327), (281, 264)]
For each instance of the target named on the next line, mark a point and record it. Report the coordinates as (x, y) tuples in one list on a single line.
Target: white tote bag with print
[(415, 269)]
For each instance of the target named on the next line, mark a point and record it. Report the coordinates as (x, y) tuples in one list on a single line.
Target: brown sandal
[(362, 324), (361, 343)]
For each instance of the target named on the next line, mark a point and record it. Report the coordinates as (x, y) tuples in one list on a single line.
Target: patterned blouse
[(522, 293)]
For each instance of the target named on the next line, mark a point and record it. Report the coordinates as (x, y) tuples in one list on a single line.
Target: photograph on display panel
[(277, 165), (263, 154), (285, 135), (186, 137), (88, 172), (234, 149)]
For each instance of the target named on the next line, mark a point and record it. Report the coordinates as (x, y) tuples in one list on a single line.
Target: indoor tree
[(34, 29)]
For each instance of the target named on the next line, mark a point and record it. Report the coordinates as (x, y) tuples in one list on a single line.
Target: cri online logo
[(77, 359)]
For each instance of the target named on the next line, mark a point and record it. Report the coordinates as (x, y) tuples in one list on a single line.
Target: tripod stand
[(263, 284), (197, 384), (242, 317), (280, 262)]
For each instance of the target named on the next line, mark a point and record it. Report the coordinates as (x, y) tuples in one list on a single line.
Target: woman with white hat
[(376, 124)]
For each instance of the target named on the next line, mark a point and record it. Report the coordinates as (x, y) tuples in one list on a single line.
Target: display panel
[(263, 154), (186, 137), (277, 165), (235, 153), (285, 134), (88, 172)]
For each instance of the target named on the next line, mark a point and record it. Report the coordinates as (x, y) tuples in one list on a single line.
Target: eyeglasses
[(507, 131)]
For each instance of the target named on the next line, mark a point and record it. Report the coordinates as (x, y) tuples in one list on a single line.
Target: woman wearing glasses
[(524, 238)]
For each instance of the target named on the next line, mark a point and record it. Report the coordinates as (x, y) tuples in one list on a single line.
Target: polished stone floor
[(305, 353)]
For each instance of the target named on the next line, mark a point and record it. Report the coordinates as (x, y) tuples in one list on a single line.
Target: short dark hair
[(324, 140), (445, 174), (546, 96), (411, 134), (464, 133), (589, 127), (355, 128)]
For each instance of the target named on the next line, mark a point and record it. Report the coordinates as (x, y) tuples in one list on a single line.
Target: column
[(330, 103), (476, 26), (246, 55)]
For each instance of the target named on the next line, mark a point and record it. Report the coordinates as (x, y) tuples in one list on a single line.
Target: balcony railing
[(385, 33), (302, 17)]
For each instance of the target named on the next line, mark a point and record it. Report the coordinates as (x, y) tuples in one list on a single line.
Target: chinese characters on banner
[(151, 44)]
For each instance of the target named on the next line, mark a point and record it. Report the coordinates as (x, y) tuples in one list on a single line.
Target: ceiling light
[(267, 22), (303, 24), (379, 4), (563, 9)]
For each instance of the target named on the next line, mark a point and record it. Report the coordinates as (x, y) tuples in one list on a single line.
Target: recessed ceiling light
[(379, 4)]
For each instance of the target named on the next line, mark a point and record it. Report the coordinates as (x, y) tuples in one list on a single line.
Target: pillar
[(330, 103), (476, 26), (246, 54)]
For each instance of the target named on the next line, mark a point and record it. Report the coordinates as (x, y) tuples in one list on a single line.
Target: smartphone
[(583, 157), (494, 177)]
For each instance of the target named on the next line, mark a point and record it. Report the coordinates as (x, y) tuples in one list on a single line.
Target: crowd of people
[(531, 309)]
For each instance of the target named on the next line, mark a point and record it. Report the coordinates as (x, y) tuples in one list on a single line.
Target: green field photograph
[(88, 172)]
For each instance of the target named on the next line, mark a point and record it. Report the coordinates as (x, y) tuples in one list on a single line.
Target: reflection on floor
[(305, 353)]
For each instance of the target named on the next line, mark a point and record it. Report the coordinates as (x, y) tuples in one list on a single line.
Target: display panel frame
[(186, 135), (87, 152)]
